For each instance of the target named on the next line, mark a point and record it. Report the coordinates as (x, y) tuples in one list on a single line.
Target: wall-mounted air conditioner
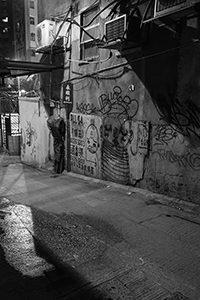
[(163, 8), (115, 29), (122, 35), (45, 33)]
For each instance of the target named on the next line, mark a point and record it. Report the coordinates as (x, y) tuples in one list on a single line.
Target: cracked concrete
[(115, 242)]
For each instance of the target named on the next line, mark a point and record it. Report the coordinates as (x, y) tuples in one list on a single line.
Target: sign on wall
[(85, 144), (67, 93)]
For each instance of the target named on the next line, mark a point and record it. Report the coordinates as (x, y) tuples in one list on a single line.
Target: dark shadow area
[(65, 279), (70, 237), (157, 71), (57, 128), (14, 286), (52, 232), (51, 83), (168, 66)]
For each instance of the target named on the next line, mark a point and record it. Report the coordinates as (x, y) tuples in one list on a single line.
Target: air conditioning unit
[(115, 29), (45, 33), (178, 8)]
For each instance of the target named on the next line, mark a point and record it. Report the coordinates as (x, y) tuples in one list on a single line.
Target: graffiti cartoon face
[(92, 139)]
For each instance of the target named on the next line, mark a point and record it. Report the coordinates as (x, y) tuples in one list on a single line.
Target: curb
[(155, 197)]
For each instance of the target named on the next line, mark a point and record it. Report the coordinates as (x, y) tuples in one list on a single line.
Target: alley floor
[(71, 237)]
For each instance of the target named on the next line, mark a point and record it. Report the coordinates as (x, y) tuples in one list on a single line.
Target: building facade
[(6, 29), (129, 92), (17, 43), (25, 18)]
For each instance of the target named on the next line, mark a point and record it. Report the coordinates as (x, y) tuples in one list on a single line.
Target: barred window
[(88, 46)]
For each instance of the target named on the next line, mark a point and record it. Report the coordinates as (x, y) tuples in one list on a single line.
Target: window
[(88, 46), (5, 20), (32, 36), (5, 30), (32, 4), (32, 20)]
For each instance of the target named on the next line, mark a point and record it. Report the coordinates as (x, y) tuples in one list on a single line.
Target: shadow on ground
[(39, 251), (67, 241)]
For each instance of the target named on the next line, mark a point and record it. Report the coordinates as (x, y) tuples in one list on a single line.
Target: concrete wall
[(35, 134), (144, 116), (173, 166), (150, 131)]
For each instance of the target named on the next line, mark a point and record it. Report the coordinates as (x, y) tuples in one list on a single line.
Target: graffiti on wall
[(171, 157), (86, 108), (33, 153), (31, 134), (113, 103), (183, 117), (85, 144), (124, 148), (190, 159), (115, 162), (28, 137), (119, 136), (164, 134), (169, 145), (124, 143)]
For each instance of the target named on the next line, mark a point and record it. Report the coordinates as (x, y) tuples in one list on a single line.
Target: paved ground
[(71, 237)]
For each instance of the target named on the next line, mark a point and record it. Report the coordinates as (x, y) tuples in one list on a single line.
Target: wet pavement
[(68, 237)]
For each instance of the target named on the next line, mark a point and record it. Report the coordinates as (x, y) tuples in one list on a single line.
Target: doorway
[(10, 133)]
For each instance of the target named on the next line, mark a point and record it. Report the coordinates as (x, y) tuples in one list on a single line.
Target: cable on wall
[(91, 62), (132, 61)]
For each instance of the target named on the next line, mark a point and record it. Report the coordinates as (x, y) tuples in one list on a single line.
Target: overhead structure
[(14, 68), (172, 9)]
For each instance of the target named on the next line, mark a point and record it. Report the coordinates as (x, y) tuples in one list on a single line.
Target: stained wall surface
[(141, 107), (149, 110), (35, 134)]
